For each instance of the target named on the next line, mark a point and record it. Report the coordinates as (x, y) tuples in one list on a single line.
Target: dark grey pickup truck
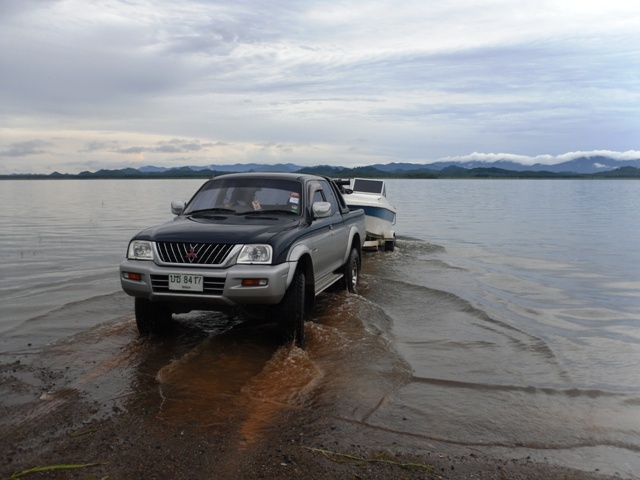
[(275, 240)]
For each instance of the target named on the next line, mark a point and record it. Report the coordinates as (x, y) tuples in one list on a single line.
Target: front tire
[(352, 271), (152, 318), (291, 311)]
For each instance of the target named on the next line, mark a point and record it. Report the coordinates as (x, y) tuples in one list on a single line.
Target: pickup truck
[(270, 240)]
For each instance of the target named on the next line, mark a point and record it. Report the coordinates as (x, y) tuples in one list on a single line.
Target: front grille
[(211, 286), (193, 253)]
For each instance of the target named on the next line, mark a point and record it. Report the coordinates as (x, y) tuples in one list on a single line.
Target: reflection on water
[(245, 377)]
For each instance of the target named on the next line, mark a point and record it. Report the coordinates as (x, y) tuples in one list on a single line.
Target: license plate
[(188, 283)]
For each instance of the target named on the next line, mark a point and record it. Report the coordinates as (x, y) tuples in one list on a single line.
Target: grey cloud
[(178, 146), (67, 69), (97, 146), (24, 149), (504, 70), (133, 150), (276, 146), (168, 146), (11, 9), (446, 79)]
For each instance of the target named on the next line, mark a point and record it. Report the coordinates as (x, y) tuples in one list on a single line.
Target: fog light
[(132, 276), (254, 282)]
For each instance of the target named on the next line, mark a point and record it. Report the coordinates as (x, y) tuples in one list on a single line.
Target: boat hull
[(378, 218)]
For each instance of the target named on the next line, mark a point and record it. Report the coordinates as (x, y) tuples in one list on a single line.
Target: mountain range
[(237, 167), (583, 165)]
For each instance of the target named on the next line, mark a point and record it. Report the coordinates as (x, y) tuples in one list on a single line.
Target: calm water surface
[(507, 320)]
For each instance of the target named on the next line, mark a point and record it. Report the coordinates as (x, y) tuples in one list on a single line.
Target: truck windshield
[(242, 195)]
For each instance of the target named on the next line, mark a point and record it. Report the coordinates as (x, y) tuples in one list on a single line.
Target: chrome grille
[(211, 286), (193, 253)]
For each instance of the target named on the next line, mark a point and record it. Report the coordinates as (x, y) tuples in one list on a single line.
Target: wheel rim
[(354, 273)]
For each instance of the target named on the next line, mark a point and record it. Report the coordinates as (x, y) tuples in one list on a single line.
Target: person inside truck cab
[(245, 198)]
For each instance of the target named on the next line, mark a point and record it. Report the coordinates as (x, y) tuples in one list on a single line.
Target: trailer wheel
[(390, 245)]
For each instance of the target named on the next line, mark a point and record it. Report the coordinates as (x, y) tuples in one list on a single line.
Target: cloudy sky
[(90, 84)]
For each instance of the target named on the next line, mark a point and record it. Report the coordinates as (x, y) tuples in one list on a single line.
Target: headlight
[(255, 254), (140, 250)]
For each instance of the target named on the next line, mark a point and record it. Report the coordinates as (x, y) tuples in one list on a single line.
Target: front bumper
[(222, 286)]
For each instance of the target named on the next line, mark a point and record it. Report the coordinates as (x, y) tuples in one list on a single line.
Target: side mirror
[(177, 207), (321, 209)]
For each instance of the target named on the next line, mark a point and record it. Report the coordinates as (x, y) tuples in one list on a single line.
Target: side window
[(330, 196), (337, 193), (318, 196)]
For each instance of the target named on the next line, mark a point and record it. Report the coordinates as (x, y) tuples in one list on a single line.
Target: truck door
[(340, 230), (330, 235)]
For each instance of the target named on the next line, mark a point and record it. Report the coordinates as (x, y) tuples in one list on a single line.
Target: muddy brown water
[(216, 369)]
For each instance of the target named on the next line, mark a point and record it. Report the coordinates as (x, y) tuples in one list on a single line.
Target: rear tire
[(290, 311), (152, 318), (352, 271)]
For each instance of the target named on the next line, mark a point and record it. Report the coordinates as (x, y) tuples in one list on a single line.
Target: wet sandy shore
[(101, 402)]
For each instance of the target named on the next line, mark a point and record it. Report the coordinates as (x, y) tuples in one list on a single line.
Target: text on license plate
[(190, 283)]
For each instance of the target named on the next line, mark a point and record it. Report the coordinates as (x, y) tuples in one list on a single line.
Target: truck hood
[(220, 229)]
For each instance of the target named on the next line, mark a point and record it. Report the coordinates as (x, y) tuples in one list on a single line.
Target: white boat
[(380, 216)]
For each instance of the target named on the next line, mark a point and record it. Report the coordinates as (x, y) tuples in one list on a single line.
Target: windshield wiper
[(272, 211), (212, 210)]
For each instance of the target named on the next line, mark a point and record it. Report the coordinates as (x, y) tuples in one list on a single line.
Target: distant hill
[(238, 167), (583, 165), (454, 171), (622, 172), (592, 167)]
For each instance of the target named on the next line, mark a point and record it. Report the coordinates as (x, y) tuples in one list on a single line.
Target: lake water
[(507, 319)]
